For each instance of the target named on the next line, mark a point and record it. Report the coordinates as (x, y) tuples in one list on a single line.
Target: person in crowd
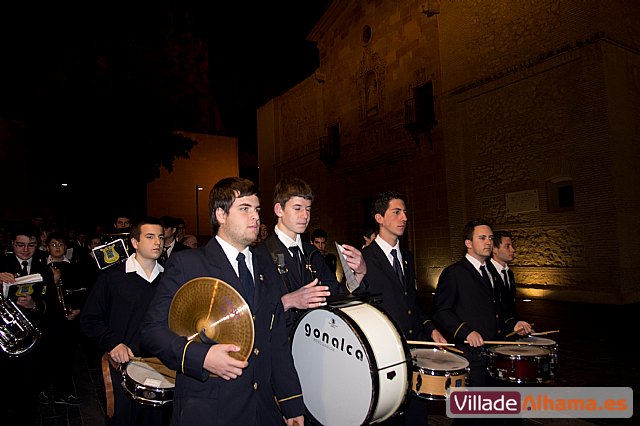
[(190, 241), (264, 232), (391, 274), (76, 244), (502, 254), (319, 239), (213, 387), (120, 229), (21, 375), (61, 341), (368, 235), (466, 305), (171, 244), (181, 229), (113, 314), (306, 280), (122, 223)]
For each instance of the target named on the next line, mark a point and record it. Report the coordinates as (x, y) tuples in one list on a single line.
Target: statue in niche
[(371, 96)]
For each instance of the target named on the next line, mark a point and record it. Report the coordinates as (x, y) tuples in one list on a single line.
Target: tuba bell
[(18, 335)]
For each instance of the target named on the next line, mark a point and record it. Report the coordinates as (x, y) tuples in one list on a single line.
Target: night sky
[(118, 77)]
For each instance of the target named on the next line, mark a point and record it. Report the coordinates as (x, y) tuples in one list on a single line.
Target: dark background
[(91, 92)]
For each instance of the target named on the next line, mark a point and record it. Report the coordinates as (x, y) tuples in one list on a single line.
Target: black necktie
[(298, 258), (163, 256), (506, 278), (396, 265), (485, 276), (245, 278), (25, 268)]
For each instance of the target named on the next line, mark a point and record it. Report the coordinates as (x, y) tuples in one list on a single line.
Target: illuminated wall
[(536, 106), (174, 194)]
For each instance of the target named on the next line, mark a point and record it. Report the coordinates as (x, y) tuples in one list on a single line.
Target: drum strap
[(278, 259), (108, 385)]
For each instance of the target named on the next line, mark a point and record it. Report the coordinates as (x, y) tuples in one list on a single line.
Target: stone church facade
[(523, 113)]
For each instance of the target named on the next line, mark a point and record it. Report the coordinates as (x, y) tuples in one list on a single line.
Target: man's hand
[(296, 421), (437, 337), (219, 362), (523, 328), (72, 314), (7, 277), (474, 339), (26, 302), (355, 261), (121, 353), (309, 296)]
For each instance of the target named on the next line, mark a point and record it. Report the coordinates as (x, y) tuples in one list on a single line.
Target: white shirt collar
[(475, 262), (30, 260), (287, 241), (232, 254), (498, 266), (132, 265), (386, 248), (50, 260)]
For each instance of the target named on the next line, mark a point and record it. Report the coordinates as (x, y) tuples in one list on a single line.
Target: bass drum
[(352, 364)]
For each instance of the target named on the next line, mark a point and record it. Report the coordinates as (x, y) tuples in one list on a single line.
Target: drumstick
[(505, 342), (147, 360), (422, 342), (542, 333), (454, 350), (516, 331)]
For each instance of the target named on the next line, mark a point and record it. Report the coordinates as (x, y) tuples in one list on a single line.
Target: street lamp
[(198, 189)]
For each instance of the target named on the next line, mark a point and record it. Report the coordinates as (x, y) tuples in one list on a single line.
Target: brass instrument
[(60, 288), (18, 335)]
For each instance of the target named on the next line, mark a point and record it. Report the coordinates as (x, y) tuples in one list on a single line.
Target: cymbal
[(209, 310)]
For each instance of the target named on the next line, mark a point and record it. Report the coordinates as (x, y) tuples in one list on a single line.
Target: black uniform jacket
[(464, 303), (291, 280), (507, 294), (249, 399), (399, 300)]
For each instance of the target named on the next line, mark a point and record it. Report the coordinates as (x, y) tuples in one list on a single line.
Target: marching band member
[(261, 390), (113, 314), (397, 287)]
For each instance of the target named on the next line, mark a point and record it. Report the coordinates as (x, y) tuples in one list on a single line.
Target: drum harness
[(278, 259)]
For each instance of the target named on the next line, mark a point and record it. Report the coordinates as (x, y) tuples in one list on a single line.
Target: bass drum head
[(352, 365)]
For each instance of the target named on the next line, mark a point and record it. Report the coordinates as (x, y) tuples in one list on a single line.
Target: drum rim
[(434, 350), (493, 351), (406, 352), (136, 362)]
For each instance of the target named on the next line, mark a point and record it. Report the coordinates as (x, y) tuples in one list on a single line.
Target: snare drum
[(548, 344), (148, 381), (520, 364), (435, 371), (352, 364)]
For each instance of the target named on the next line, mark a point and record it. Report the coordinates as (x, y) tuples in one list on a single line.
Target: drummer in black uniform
[(307, 281), (396, 286), (113, 314)]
